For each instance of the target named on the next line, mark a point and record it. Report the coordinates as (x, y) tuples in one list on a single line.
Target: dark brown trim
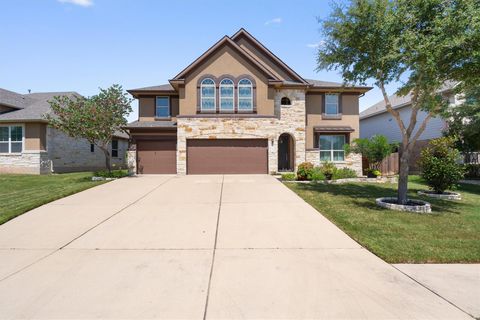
[(269, 53), (226, 115), (224, 41), (316, 136), (199, 85)]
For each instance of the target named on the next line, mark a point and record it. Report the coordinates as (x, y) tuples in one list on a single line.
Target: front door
[(284, 150)]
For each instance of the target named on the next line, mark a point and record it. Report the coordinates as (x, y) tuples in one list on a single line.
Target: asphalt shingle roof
[(398, 102), (30, 107), (162, 87), (151, 124)]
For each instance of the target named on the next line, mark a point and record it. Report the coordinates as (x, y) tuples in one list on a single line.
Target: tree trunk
[(107, 159), (403, 176)]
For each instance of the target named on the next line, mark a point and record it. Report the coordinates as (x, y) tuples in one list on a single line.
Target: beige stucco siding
[(146, 107), (349, 118), (35, 136), (226, 61), (264, 60)]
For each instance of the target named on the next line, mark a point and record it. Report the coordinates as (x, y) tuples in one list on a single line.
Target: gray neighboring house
[(29, 145), (377, 120)]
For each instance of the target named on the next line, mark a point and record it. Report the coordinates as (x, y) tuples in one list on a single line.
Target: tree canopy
[(422, 44), (95, 118)]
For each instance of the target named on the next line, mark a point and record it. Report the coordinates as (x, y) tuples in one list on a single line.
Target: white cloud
[(316, 45), (82, 3), (272, 21)]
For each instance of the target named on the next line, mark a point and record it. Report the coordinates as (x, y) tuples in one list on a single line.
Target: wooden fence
[(389, 165)]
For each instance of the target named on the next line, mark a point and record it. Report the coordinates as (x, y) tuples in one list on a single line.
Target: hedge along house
[(29, 145), (238, 108)]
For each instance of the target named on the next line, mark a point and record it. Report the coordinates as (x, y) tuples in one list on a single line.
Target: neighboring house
[(238, 108), (376, 120), (29, 145)]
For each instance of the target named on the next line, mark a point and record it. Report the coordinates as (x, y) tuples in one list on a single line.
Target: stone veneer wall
[(352, 161), (27, 162), (70, 155), (288, 119)]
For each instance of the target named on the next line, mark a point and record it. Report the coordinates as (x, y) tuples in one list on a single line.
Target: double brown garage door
[(227, 156), (204, 156)]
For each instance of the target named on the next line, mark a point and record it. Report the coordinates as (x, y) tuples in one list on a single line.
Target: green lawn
[(21, 193), (450, 234)]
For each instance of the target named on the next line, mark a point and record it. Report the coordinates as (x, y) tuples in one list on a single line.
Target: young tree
[(374, 149), (95, 118), (425, 42)]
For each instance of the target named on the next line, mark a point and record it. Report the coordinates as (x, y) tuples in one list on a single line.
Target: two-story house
[(238, 108)]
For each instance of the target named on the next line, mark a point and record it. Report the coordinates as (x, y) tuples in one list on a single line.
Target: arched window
[(245, 95), (226, 95), (207, 95), (285, 101)]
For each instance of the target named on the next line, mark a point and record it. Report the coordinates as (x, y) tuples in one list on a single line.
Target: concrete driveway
[(196, 247)]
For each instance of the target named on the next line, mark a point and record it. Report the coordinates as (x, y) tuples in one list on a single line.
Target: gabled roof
[(266, 51), (398, 102), (161, 89), (225, 41), (31, 107), (13, 99)]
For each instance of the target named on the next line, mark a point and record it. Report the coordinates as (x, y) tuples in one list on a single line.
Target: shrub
[(439, 164), (317, 174), (289, 176), (304, 171), (344, 173), (374, 149), (472, 171), (112, 174), (328, 169)]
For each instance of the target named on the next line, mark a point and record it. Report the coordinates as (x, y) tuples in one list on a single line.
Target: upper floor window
[(207, 95), (331, 104), (11, 139), (245, 95), (226, 95), (162, 107), (285, 101)]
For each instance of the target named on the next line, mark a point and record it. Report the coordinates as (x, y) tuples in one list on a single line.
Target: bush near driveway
[(450, 235), (21, 193)]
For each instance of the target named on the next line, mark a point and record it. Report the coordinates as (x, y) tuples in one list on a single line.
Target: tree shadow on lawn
[(364, 195)]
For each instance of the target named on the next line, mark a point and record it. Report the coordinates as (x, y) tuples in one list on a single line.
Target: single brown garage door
[(233, 156), (157, 156)]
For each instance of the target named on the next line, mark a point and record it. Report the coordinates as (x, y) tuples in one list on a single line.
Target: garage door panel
[(157, 156), (227, 156)]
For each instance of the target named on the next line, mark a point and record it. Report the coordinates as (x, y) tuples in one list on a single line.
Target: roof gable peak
[(224, 41)]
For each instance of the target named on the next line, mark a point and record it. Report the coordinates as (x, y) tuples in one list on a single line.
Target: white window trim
[(10, 138), (232, 85), (243, 98), (156, 107), (337, 107), (331, 150), (202, 85)]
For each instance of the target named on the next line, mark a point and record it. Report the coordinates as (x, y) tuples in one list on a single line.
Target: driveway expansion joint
[(214, 251)]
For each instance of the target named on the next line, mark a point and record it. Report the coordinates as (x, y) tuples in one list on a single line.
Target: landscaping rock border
[(447, 195), (103, 179), (422, 207), (349, 180)]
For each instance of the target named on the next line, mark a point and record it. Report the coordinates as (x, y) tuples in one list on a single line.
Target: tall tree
[(95, 118), (426, 43)]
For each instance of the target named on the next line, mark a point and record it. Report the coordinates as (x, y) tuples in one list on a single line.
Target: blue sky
[(80, 45)]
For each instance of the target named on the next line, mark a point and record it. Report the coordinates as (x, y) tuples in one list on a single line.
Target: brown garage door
[(227, 156), (157, 156)]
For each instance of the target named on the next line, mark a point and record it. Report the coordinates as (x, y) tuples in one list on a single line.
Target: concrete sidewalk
[(197, 247)]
